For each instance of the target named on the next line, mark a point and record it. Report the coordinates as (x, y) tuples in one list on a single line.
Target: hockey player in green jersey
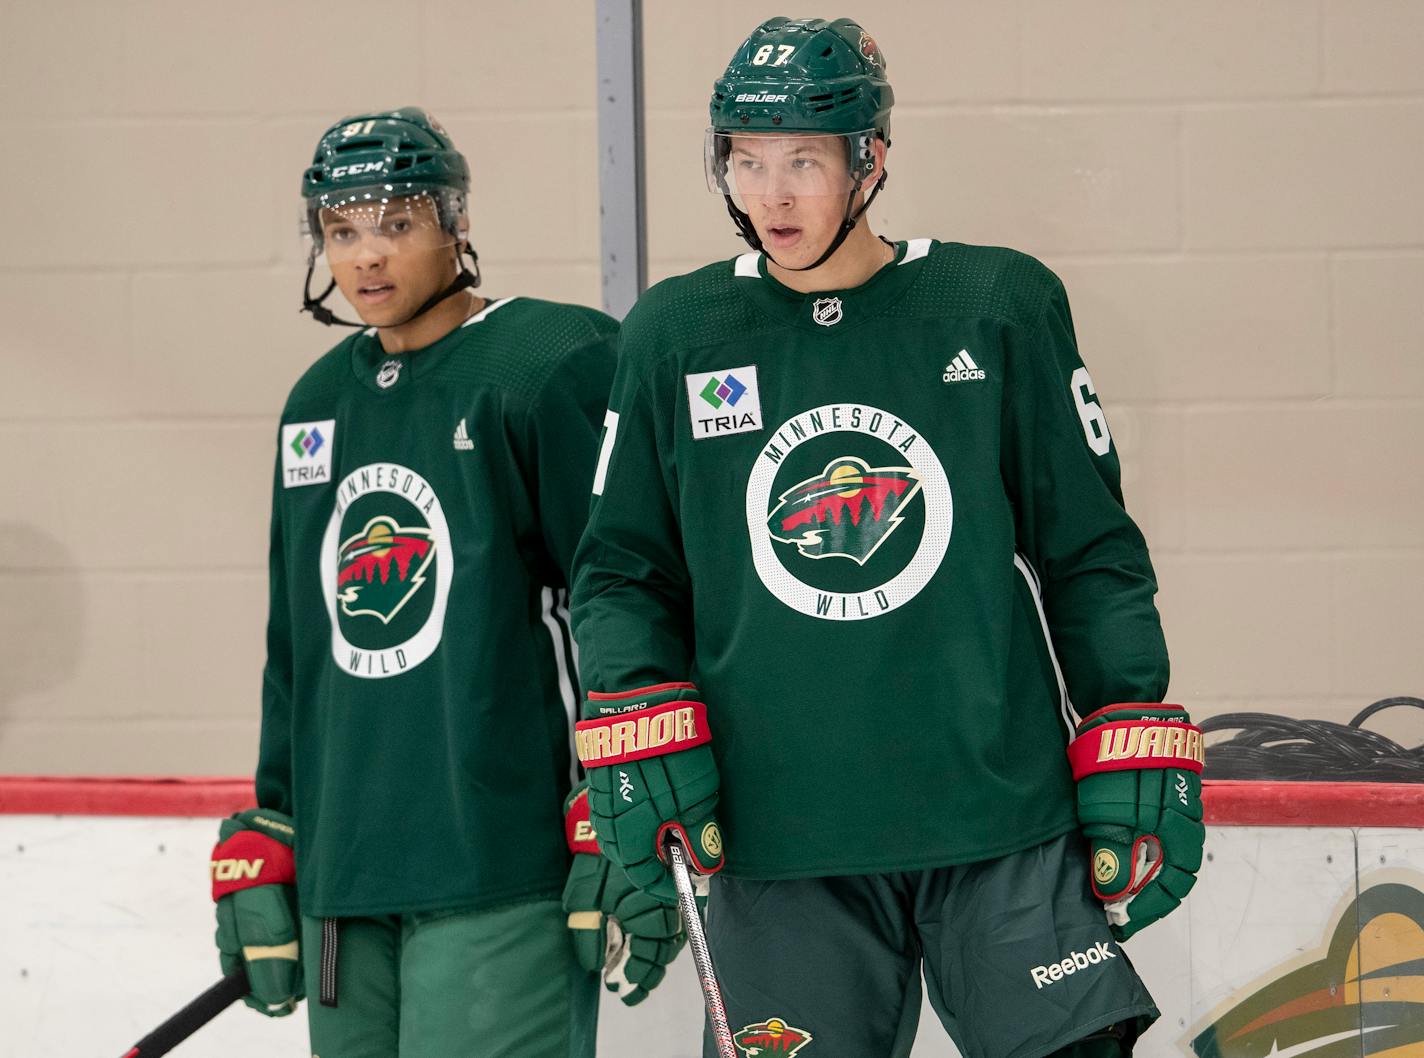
[(415, 827), (858, 566)]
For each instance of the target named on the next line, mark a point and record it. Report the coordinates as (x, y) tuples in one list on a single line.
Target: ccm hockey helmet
[(368, 165), (798, 78)]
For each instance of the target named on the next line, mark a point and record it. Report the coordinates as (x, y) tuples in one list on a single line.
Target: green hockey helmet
[(392, 178), (805, 75), (789, 82), (370, 158)]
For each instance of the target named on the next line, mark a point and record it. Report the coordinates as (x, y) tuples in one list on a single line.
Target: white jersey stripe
[(1065, 705), (554, 611), (491, 307), (747, 266), (968, 360), (915, 249)]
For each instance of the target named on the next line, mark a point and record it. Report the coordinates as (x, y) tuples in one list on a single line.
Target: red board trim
[(1228, 803), (1313, 804), (153, 796)]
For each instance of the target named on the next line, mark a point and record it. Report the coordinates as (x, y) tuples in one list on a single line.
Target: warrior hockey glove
[(651, 772), (617, 928), (254, 885), (1138, 768)]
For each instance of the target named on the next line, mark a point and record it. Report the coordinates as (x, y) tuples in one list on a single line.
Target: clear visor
[(772, 166), (366, 225)]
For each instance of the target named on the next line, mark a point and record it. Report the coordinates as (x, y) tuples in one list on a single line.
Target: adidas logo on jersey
[(963, 369), (462, 438)]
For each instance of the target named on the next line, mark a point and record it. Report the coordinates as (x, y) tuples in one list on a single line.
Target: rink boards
[(1299, 939)]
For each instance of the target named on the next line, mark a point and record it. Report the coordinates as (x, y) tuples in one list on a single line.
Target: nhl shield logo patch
[(771, 1037), (389, 374), (827, 311)]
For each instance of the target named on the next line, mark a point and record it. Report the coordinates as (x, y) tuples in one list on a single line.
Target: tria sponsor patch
[(1071, 964), (306, 452), (721, 403)]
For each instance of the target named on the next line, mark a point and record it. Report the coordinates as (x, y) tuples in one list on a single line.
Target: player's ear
[(881, 148)]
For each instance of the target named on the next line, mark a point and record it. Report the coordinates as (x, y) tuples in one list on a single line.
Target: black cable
[(1282, 748)]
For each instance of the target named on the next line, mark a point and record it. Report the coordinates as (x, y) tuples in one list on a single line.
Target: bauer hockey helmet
[(367, 165), (794, 78)]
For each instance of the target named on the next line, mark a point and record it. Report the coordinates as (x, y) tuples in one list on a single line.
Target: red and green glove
[(254, 884), (651, 773), (617, 928), (1138, 768)]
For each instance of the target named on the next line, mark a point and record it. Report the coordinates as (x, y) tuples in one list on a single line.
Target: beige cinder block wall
[(152, 275), (1230, 191)]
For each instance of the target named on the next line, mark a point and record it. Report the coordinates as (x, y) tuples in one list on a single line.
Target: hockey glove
[(617, 928), (1138, 768), (651, 772), (254, 878)]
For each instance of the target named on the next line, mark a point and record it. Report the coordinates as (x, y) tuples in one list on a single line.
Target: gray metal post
[(623, 227)]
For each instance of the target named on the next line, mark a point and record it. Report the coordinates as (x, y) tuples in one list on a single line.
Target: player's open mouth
[(376, 291), (783, 236)]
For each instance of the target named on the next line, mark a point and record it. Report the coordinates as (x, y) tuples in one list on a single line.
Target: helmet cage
[(450, 207), (859, 148)]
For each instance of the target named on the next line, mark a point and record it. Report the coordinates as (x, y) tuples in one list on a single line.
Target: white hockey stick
[(697, 941)]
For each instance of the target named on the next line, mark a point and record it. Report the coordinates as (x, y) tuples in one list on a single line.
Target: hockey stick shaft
[(192, 1017), (701, 956)]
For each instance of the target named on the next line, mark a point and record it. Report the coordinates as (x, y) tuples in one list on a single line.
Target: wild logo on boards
[(1364, 995)]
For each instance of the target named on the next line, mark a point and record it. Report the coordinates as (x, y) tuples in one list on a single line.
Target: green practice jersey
[(418, 687), (863, 521)]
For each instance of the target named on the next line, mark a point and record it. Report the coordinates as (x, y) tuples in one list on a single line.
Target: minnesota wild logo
[(771, 1037), (1365, 996), (381, 567), (846, 511), (378, 570)]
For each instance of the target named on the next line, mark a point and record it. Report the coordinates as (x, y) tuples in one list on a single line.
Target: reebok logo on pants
[(1075, 961)]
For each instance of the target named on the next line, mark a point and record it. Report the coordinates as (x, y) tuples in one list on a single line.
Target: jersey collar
[(831, 311), (382, 372)]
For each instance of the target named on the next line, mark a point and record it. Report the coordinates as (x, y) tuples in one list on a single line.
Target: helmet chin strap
[(464, 280), (747, 231)]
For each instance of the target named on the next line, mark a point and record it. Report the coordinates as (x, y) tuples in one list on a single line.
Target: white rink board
[(109, 930)]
